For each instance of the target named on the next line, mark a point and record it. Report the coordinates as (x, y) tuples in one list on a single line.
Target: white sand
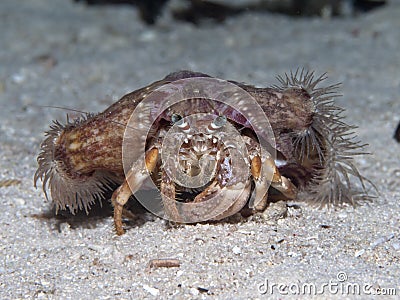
[(103, 53)]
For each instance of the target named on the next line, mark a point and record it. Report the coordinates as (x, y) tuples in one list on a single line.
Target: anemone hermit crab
[(210, 147)]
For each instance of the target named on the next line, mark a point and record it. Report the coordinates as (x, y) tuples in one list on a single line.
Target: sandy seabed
[(59, 53)]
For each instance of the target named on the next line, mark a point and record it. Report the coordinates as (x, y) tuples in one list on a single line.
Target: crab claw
[(217, 202), (240, 194)]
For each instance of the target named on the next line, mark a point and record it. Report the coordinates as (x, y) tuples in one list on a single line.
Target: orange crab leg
[(135, 178), (265, 173)]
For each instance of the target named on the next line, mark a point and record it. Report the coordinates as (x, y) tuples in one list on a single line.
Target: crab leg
[(135, 178), (265, 173), (167, 189), (286, 187)]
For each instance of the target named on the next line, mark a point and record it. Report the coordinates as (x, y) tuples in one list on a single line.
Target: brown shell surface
[(96, 143)]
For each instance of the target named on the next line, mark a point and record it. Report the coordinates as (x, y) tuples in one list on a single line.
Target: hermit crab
[(211, 148)]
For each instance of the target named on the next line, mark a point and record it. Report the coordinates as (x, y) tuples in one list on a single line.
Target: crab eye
[(175, 118), (216, 124), (219, 122)]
